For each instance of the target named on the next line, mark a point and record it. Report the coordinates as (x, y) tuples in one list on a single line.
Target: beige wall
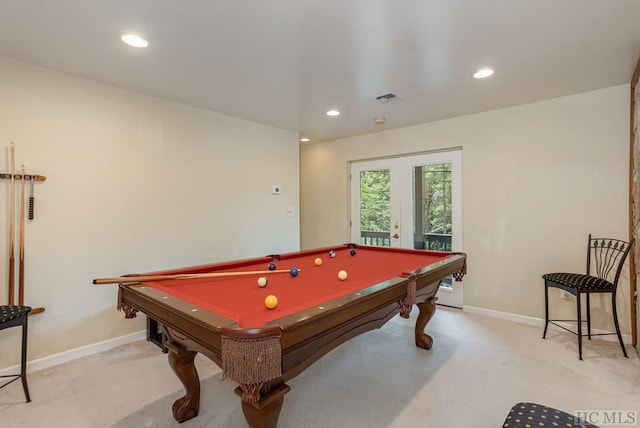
[(537, 178), (134, 184)]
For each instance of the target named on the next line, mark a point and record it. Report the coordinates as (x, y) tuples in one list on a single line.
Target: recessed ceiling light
[(333, 113), (134, 40), (304, 139), (482, 73)]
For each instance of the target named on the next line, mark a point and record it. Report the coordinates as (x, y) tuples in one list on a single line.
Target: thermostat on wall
[(275, 189)]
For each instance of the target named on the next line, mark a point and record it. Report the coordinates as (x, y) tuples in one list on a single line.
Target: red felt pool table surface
[(240, 299)]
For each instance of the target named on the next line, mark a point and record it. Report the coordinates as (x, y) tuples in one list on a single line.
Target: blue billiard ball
[(352, 252), (272, 266), (294, 271)]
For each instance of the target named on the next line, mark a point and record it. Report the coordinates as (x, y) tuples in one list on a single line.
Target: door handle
[(395, 236)]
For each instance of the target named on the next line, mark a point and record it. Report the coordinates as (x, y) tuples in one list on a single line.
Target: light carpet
[(477, 369)]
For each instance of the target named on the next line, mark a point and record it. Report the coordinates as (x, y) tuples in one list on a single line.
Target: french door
[(410, 202)]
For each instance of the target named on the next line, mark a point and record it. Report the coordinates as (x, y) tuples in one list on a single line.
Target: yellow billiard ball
[(271, 301), (318, 261), (342, 275)]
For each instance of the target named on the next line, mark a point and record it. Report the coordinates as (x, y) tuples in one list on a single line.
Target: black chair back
[(606, 256)]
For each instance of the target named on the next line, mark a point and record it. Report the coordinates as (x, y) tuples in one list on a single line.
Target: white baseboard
[(522, 319), (537, 322), (73, 354)]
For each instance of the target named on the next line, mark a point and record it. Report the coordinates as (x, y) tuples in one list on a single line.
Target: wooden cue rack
[(27, 177)]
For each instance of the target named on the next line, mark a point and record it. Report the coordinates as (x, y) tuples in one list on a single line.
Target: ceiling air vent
[(387, 97)]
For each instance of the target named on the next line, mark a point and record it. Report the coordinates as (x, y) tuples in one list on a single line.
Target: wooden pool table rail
[(304, 337)]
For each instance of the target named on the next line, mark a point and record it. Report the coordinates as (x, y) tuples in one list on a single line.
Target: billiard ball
[(342, 275), (332, 253), (318, 261), (262, 281), (271, 301), (272, 266), (352, 252), (294, 271)]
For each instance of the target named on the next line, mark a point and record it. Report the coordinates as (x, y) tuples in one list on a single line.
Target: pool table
[(260, 349)]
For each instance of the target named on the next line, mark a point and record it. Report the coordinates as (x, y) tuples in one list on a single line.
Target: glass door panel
[(375, 203), (375, 207), (432, 207)]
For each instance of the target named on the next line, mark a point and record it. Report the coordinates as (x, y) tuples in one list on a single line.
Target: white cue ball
[(262, 281), (342, 275)]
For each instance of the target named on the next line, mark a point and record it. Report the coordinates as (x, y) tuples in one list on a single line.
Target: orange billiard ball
[(271, 301), (318, 261)]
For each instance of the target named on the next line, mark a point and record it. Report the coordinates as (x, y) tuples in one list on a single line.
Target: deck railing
[(435, 242), (377, 239), (429, 241)]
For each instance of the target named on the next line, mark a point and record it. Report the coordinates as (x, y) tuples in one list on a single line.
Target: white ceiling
[(286, 62)]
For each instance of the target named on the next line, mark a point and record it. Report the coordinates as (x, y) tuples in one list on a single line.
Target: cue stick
[(31, 200), (12, 226), (21, 265), (142, 278)]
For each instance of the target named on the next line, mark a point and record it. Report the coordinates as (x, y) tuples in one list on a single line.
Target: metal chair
[(605, 259), (14, 316), (527, 415)]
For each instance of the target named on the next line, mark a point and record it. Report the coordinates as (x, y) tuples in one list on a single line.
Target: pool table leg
[(181, 362), (265, 412), (427, 309)]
